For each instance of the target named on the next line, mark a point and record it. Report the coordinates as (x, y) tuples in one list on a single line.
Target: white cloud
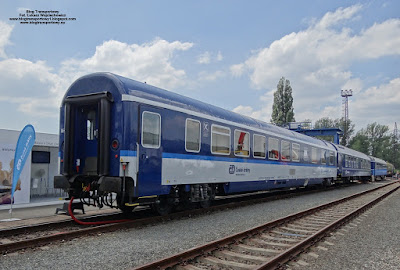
[(36, 90), (32, 86), (318, 61), (264, 113), (207, 58), (211, 76), (204, 58), (376, 104), (237, 70), (149, 62), (5, 32), (219, 57), (341, 14)]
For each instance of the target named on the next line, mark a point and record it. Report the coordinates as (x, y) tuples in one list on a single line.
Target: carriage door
[(149, 152), (87, 134), (88, 151)]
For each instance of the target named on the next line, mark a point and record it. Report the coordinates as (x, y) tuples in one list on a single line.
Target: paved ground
[(42, 212)]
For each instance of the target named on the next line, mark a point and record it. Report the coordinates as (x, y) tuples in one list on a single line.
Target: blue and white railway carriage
[(352, 165), (149, 145), (378, 168)]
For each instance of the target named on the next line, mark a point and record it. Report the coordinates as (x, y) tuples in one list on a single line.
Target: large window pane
[(242, 143), (285, 150), (259, 145), (314, 158), (295, 152), (273, 148), (151, 130), (220, 140), (306, 156), (192, 143), (323, 156), (331, 158)]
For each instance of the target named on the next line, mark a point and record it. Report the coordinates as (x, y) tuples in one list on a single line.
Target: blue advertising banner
[(24, 146)]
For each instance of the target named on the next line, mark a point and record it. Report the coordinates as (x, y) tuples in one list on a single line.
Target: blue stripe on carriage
[(127, 153)]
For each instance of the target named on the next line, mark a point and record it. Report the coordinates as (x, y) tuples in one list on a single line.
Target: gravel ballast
[(129, 248), (369, 242)]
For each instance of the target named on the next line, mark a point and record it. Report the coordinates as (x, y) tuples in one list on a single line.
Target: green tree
[(379, 139), (393, 153), (345, 126), (374, 140), (326, 122), (360, 142), (282, 109)]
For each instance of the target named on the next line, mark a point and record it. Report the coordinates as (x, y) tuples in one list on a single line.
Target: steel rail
[(29, 243), (237, 202), (282, 258), (215, 245)]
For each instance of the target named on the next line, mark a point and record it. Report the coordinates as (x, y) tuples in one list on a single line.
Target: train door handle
[(144, 156)]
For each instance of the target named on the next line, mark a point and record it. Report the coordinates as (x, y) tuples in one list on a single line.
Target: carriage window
[(331, 158), (242, 143), (314, 155), (285, 147), (323, 156), (306, 153), (259, 143), (273, 148), (220, 140), (151, 130), (192, 135), (295, 152), (90, 125)]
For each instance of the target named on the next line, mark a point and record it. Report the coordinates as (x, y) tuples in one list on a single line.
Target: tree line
[(374, 140)]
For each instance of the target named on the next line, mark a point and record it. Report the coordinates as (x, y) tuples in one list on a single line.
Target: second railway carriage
[(378, 168), (352, 165), (147, 145)]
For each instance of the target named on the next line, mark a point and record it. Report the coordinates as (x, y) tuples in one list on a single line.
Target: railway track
[(31, 236), (272, 245)]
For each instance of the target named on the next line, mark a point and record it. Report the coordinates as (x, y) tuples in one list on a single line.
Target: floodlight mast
[(396, 139), (346, 94)]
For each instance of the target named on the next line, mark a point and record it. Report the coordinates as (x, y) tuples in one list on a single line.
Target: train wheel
[(327, 182), (205, 204), (164, 207)]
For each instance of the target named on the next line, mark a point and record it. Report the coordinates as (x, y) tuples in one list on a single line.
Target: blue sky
[(227, 53)]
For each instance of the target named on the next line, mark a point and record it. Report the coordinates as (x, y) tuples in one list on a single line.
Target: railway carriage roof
[(377, 160), (348, 151), (118, 86)]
